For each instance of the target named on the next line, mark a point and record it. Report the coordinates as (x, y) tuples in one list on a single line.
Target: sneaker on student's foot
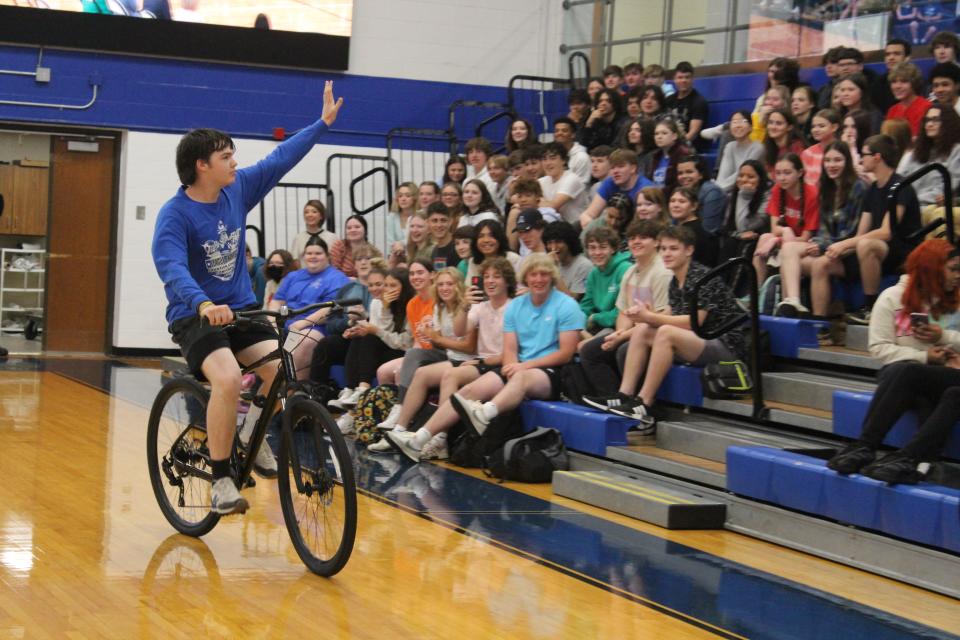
[(860, 317), (790, 308), (402, 441), (471, 412), (852, 458), (609, 402), (225, 499), (345, 424), (436, 448), (264, 464), (391, 420), (380, 446), (646, 423), (825, 337), (337, 402)]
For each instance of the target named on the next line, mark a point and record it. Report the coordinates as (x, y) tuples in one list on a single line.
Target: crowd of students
[(496, 276)]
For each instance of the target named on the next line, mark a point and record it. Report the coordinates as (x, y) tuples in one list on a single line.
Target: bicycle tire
[(178, 419), (322, 523)]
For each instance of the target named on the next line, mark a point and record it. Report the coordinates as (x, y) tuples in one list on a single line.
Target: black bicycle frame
[(759, 408), (947, 203)]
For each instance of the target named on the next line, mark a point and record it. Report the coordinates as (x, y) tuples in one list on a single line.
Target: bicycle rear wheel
[(178, 458), (318, 492)]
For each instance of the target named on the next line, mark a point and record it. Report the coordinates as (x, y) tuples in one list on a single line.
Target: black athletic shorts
[(197, 339), (897, 252), (553, 373)]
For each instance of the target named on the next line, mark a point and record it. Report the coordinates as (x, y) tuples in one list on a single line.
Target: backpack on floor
[(530, 458), (574, 383), (372, 408), (470, 450), (769, 295), (726, 380)]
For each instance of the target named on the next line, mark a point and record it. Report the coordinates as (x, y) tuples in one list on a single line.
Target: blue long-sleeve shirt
[(198, 248)]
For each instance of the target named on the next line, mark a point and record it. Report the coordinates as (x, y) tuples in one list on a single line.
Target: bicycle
[(316, 479)]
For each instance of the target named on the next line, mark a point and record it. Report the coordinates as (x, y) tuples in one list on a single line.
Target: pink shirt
[(490, 323), (812, 158)]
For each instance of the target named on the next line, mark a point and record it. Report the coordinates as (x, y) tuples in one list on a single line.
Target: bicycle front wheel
[(318, 492), (178, 458)]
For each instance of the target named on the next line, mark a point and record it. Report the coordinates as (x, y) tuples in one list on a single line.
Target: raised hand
[(330, 106)]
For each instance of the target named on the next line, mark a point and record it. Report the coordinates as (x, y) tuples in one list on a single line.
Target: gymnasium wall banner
[(796, 28), (303, 33)]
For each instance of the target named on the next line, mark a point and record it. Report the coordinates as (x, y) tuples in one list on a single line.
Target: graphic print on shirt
[(222, 253)]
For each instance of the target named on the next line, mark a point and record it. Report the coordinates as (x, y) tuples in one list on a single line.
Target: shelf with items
[(22, 286)]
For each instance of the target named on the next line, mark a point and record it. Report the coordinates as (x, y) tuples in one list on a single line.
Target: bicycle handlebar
[(286, 312)]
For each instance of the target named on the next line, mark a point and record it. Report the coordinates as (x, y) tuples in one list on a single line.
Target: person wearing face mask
[(279, 263)]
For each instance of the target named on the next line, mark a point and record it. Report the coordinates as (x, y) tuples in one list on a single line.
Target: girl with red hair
[(914, 331)]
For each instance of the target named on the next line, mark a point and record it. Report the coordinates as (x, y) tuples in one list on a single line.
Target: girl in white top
[(481, 323), (314, 215), (404, 205), (939, 141), (478, 204)]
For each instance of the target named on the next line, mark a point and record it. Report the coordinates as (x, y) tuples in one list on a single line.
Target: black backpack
[(467, 449), (530, 458), (726, 380), (574, 383)]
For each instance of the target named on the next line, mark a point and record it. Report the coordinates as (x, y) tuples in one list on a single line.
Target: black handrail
[(261, 242), (947, 202), (420, 134), (363, 176), (759, 409), (456, 104), (586, 66), (560, 81), (488, 121), (261, 237)]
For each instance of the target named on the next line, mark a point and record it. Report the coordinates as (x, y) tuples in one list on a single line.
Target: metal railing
[(947, 204), (281, 213), (759, 408), (427, 160)]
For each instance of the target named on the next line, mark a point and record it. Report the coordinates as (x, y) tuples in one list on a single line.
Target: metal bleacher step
[(857, 337), (840, 357), (642, 498), (709, 439), (673, 463), (173, 364), (778, 412), (809, 389)]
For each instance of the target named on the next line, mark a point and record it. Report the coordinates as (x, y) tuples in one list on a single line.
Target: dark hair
[(625, 205), (496, 229), (615, 101), (947, 38), (861, 122), (632, 66), (437, 207), (426, 263), (797, 163), (487, 202), (759, 196), (564, 232), (690, 194), (679, 232), (832, 55), (526, 185), (362, 220), (683, 67), (578, 96), (556, 149), (646, 135), (850, 52), (199, 144), (287, 258), (262, 21), (603, 235), (657, 95), (316, 204), (928, 148), (830, 115), (478, 144), (613, 70), (745, 113), (398, 308), (532, 151), (946, 70), (836, 192), (567, 121), (699, 163), (316, 241), (463, 232), (771, 148), (787, 73), (860, 80), (886, 147), (907, 49), (644, 228), (511, 145), (446, 168), (430, 183), (502, 265), (601, 151)]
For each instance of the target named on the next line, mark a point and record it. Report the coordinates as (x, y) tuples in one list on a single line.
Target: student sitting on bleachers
[(832, 252), (563, 190), (685, 212), (913, 330), (646, 281), (541, 330), (603, 282), (624, 178), (481, 322), (939, 141), (662, 165), (739, 149), (879, 251), (824, 129), (662, 338), (403, 207), (746, 217), (604, 121), (525, 193), (782, 137), (563, 245), (692, 174)]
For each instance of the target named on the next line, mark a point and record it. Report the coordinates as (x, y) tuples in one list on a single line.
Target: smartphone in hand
[(919, 319)]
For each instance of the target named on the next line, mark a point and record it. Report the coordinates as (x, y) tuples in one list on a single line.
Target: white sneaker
[(345, 424), (380, 446), (354, 397), (402, 441), (225, 499), (471, 412), (391, 420), (436, 448), (337, 402), (264, 463)]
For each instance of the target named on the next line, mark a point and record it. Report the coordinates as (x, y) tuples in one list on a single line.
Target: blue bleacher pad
[(923, 513), (852, 292), (583, 429), (850, 409), (682, 386), (337, 372), (789, 335)]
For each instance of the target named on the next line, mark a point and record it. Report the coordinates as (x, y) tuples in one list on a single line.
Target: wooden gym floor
[(85, 552)]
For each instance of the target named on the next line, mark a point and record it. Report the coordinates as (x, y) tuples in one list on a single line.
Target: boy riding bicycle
[(198, 250)]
